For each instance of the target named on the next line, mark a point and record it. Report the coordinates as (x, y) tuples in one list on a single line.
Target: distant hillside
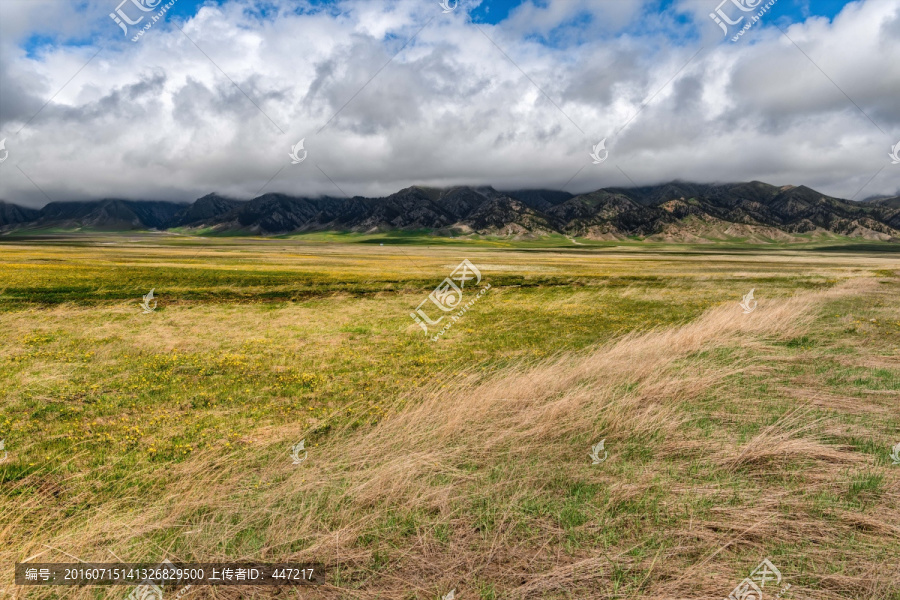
[(887, 201), (676, 211), (108, 214), (11, 215)]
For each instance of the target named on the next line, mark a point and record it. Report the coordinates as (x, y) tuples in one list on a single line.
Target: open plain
[(729, 436)]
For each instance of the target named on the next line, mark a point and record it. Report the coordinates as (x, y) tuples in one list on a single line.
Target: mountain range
[(675, 211)]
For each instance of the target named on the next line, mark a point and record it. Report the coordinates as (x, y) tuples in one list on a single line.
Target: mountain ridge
[(672, 210)]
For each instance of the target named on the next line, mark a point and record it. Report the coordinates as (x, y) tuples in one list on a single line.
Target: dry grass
[(464, 455)]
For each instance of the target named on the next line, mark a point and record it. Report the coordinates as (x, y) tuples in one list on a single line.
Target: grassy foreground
[(463, 463)]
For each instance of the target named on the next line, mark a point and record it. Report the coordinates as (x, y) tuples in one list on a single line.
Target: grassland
[(461, 463)]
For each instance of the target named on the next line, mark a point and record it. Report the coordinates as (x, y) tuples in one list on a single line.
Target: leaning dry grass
[(434, 455)]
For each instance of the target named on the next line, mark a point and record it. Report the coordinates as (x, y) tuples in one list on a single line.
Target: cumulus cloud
[(387, 95)]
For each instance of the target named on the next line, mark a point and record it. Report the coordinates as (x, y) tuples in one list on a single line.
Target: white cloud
[(159, 119)]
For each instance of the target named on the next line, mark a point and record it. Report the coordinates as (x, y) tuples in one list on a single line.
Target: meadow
[(461, 463)]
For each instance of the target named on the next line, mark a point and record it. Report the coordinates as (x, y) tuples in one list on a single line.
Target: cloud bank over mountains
[(388, 95)]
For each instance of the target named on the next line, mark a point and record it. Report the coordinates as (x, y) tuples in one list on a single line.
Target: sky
[(358, 97)]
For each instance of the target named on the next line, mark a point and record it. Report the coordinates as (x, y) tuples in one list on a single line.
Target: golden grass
[(444, 451)]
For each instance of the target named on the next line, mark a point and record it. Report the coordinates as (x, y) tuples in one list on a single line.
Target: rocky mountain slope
[(672, 211)]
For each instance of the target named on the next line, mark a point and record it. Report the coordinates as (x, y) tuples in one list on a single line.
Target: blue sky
[(495, 11), (791, 10), (488, 11)]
